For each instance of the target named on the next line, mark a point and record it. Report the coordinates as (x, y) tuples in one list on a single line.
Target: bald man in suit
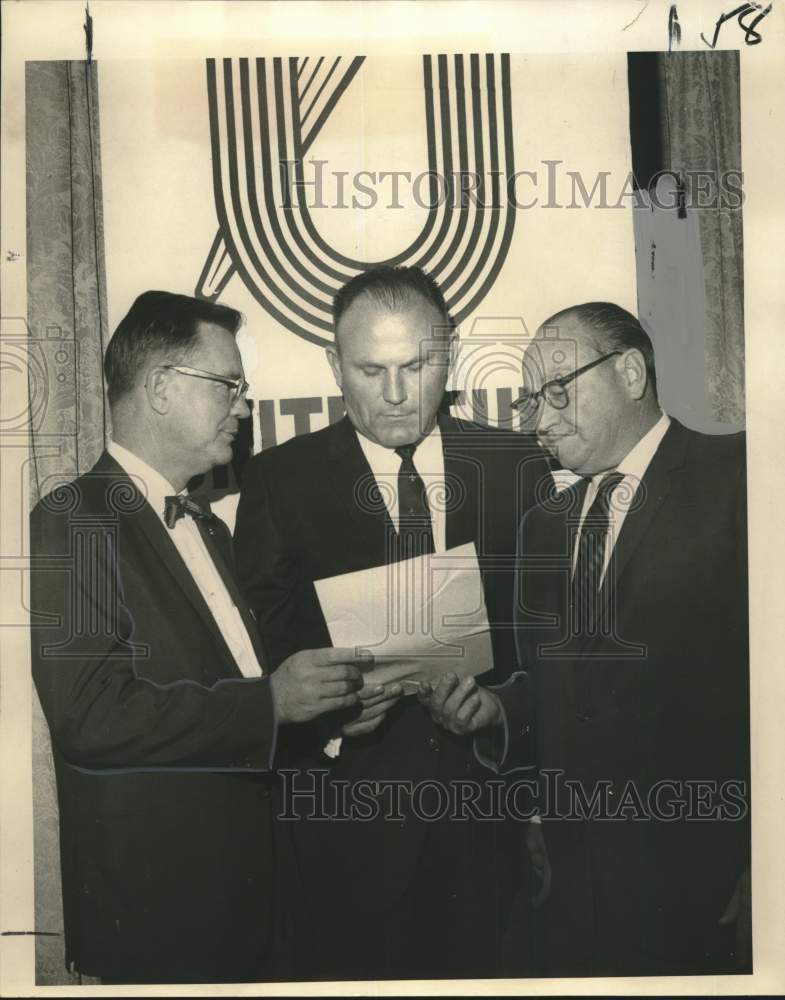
[(632, 622)]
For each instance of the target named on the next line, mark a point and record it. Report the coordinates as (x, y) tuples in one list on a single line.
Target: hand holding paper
[(376, 701), (315, 681), (420, 617), (462, 707)]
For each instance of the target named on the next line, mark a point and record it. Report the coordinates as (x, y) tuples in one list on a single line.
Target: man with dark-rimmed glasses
[(156, 686), (631, 617), (554, 391)]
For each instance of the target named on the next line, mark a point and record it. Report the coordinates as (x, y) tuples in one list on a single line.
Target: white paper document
[(419, 617)]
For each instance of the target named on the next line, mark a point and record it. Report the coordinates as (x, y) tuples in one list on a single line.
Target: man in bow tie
[(396, 896), (632, 620), (156, 685)]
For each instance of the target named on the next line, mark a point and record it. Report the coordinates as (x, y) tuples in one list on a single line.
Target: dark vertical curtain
[(702, 133), (66, 297)]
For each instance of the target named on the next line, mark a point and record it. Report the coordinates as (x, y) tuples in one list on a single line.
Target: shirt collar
[(150, 483), (637, 460), (384, 461)]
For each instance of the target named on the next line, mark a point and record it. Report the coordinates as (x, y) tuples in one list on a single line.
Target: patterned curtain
[(702, 132), (66, 297)]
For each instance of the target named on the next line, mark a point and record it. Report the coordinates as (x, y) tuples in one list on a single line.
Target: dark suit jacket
[(161, 748), (661, 695), (299, 520)]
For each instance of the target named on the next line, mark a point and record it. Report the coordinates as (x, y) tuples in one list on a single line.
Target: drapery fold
[(67, 322), (66, 287), (702, 133)]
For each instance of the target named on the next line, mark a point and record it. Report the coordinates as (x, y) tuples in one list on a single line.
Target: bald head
[(605, 327), (591, 370)]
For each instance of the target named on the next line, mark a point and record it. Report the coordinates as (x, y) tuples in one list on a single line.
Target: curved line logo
[(266, 114)]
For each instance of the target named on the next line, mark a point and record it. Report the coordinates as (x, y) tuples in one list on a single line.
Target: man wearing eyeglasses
[(632, 620), (156, 686)]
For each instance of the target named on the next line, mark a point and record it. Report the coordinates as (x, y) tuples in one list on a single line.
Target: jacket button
[(583, 717), (434, 744)]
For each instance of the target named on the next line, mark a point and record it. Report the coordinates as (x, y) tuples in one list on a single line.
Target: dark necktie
[(415, 532), (178, 506), (591, 555)]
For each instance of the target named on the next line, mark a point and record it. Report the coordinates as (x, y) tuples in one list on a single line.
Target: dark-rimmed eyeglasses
[(554, 392), (238, 386)]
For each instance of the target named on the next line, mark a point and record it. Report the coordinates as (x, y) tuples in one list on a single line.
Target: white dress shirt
[(633, 467), (428, 460), (190, 545), (385, 465)]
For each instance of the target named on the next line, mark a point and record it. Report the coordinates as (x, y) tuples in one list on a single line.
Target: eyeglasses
[(239, 387), (554, 392)]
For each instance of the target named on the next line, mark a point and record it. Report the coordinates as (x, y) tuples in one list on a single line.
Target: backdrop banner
[(267, 183)]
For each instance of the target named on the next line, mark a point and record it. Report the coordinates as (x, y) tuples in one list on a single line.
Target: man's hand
[(315, 681), (541, 865), (462, 707), (739, 911), (376, 701)]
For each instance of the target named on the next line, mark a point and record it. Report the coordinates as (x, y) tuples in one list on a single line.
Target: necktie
[(591, 555), (415, 532), (178, 506)]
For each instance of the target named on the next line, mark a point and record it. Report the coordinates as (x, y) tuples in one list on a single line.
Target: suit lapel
[(145, 527), (355, 487), (652, 491), (557, 545), (219, 546), (654, 488), (462, 495)]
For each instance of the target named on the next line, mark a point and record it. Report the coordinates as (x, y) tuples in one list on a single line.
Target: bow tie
[(178, 506)]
